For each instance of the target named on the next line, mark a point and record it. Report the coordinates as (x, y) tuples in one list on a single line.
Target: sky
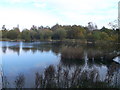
[(64, 12)]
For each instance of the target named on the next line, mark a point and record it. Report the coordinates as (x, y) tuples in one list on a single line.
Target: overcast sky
[(49, 12)]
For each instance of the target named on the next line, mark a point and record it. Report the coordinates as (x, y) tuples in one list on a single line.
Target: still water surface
[(30, 57)]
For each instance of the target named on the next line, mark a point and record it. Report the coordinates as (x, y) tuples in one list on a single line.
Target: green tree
[(59, 33), (26, 35), (97, 35), (45, 34), (4, 33), (90, 37), (33, 35), (17, 31), (55, 27), (104, 36), (0, 34), (14, 33), (106, 30), (76, 32)]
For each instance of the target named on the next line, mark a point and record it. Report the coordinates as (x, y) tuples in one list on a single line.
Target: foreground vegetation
[(59, 32), (61, 77)]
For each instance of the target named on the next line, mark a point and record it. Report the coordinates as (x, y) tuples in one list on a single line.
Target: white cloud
[(50, 12), (26, 18), (39, 5), (15, 1)]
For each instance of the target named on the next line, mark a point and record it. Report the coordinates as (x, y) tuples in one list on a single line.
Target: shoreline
[(69, 41)]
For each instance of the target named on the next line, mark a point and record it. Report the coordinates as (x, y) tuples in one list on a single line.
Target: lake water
[(27, 58)]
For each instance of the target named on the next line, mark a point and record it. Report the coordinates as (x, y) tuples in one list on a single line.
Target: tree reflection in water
[(80, 66)]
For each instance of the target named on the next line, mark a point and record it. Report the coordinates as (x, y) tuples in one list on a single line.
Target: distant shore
[(67, 41)]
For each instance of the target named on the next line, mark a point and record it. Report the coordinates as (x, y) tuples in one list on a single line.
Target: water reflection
[(94, 62), (69, 77), (4, 49), (32, 47), (113, 74)]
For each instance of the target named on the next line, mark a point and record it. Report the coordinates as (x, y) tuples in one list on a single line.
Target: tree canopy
[(59, 32)]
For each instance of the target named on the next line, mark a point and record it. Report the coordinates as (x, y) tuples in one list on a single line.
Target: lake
[(27, 58)]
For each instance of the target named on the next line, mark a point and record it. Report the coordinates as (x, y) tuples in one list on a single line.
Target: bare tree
[(3, 27), (114, 24), (92, 26)]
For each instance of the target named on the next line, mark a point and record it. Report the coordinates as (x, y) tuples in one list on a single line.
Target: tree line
[(60, 32)]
